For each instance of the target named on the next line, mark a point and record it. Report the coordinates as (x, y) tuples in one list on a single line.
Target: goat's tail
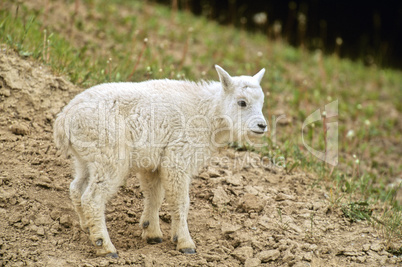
[(61, 133)]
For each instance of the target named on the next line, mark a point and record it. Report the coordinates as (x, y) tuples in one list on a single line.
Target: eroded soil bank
[(243, 211)]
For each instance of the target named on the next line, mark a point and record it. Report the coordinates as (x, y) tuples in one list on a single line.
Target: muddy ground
[(244, 211)]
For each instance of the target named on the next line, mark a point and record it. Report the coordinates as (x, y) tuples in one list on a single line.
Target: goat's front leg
[(176, 184)]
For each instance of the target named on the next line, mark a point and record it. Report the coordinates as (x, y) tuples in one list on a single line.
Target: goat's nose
[(262, 125)]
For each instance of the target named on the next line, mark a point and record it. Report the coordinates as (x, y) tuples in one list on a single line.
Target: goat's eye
[(242, 103)]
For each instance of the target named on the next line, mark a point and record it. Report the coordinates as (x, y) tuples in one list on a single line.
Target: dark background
[(367, 30)]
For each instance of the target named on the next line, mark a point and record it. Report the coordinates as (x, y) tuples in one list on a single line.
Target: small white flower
[(367, 122), (302, 19), (260, 18), (359, 106), (357, 161), (259, 54), (277, 27), (350, 134)]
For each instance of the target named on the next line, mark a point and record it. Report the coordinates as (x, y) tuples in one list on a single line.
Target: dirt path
[(243, 209)]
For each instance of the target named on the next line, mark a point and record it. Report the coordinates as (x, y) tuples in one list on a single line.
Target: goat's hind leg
[(103, 184), (77, 188), (151, 186)]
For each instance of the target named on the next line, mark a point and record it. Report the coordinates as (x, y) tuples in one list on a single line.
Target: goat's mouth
[(258, 132)]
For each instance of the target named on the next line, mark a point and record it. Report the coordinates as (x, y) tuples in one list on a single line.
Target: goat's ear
[(224, 77), (259, 75)]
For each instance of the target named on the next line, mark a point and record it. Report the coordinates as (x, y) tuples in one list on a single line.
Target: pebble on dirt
[(252, 262), (251, 203), (220, 197), (229, 228), (66, 221), (243, 253), (235, 179), (19, 129), (268, 255)]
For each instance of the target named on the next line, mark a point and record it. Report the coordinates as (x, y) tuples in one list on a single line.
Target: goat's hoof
[(187, 250), (154, 240), (99, 242), (145, 225), (113, 255)]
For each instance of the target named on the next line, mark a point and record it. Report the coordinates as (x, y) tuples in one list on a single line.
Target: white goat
[(162, 130)]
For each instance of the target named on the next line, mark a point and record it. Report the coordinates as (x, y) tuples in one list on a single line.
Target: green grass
[(104, 41), (357, 211)]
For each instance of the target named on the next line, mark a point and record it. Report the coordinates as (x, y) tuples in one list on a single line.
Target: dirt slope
[(243, 210)]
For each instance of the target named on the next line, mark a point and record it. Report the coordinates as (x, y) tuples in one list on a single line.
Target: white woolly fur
[(164, 131)]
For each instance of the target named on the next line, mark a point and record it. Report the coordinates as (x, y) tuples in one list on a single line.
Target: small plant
[(310, 235), (185, 48), (17, 41), (144, 46), (289, 167), (335, 198), (357, 211), (391, 230), (395, 252), (241, 147), (284, 226)]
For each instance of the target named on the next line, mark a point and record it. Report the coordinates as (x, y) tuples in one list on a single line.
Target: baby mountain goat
[(163, 131)]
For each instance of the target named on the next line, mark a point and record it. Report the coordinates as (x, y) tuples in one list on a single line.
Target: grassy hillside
[(98, 41)]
